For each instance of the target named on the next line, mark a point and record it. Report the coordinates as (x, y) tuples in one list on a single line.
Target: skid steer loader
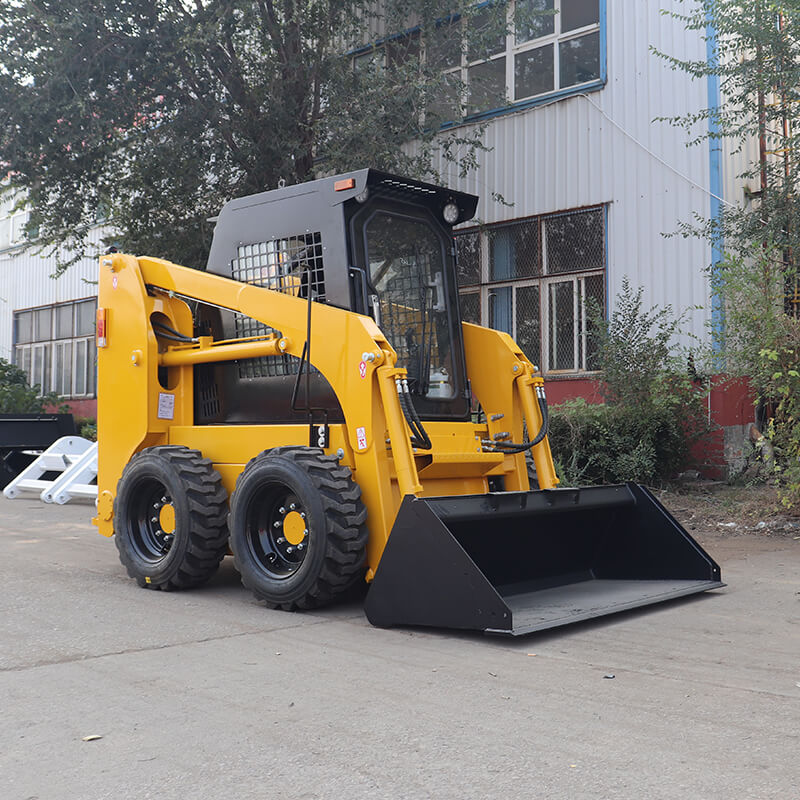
[(305, 404)]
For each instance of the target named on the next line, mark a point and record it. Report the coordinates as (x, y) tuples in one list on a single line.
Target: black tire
[(163, 487), (297, 527)]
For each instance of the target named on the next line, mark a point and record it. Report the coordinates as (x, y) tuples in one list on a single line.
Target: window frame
[(30, 355), (487, 287), (580, 333), (511, 51)]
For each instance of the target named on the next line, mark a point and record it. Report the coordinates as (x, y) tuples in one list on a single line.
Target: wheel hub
[(294, 528), (278, 531), (166, 518), (154, 523)]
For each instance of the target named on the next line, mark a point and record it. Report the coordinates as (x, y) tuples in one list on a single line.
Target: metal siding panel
[(568, 154), (25, 282)]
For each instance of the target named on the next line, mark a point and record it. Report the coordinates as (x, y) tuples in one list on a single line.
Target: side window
[(490, 58), (406, 266)]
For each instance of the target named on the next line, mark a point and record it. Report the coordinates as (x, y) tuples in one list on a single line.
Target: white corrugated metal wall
[(607, 147), (25, 282)]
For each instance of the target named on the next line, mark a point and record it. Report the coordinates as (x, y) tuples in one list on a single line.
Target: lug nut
[(281, 510), (276, 524), (292, 506), (305, 532), (290, 549), (153, 519), (300, 546), (280, 540)]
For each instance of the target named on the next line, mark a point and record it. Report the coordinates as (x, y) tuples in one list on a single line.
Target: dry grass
[(710, 508)]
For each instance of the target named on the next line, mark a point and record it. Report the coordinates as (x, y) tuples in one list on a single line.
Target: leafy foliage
[(16, 396), (160, 111), (653, 412), (87, 428), (755, 55), (633, 346), (606, 443), (783, 430)]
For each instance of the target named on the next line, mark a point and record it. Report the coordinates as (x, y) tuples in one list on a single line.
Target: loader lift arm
[(148, 286)]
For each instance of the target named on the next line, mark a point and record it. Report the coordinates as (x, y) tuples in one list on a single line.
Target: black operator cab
[(366, 241), (401, 243)]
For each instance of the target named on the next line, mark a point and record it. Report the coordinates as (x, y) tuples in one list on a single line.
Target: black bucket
[(518, 562)]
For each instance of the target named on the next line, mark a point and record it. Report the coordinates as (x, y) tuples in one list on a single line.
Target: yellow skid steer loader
[(306, 404)]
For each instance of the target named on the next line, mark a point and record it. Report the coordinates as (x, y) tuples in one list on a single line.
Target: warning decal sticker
[(166, 406)]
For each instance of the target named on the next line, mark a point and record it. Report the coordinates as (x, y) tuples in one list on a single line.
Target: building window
[(55, 346), (535, 279), (12, 229), (549, 46)]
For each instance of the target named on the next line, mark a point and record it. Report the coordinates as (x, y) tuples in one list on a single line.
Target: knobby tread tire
[(201, 538), (345, 536)]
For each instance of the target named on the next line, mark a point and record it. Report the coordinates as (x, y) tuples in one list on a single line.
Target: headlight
[(450, 213)]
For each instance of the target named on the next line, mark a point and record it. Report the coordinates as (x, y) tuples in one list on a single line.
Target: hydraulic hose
[(419, 437), (511, 447), (166, 332)]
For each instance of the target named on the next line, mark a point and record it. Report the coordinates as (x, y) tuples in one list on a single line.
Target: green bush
[(17, 397), (653, 413), (606, 443), (87, 428), (763, 344), (784, 427)]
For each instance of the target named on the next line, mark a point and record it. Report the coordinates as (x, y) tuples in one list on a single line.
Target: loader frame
[(147, 400)]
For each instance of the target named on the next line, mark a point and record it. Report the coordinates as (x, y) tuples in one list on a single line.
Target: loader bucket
[(518, 562)]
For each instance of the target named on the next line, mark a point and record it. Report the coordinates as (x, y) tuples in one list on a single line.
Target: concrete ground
[(206, 694)]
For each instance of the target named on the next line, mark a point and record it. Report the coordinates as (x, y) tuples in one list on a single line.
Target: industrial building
[(594, 186)]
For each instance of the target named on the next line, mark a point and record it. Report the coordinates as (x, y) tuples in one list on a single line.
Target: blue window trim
[(603, 46), (715, 186), (539, 100), (368, 48)]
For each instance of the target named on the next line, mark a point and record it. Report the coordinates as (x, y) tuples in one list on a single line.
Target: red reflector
[(101, 327), (343, 185)]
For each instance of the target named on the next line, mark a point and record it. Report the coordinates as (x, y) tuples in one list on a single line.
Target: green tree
[(159, 111), (634, 347), (16, 396), (754, 53)]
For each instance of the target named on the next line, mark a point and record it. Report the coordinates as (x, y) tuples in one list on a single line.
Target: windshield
[(406, 267)]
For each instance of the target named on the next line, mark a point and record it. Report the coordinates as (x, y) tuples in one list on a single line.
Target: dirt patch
[(731, 520)]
